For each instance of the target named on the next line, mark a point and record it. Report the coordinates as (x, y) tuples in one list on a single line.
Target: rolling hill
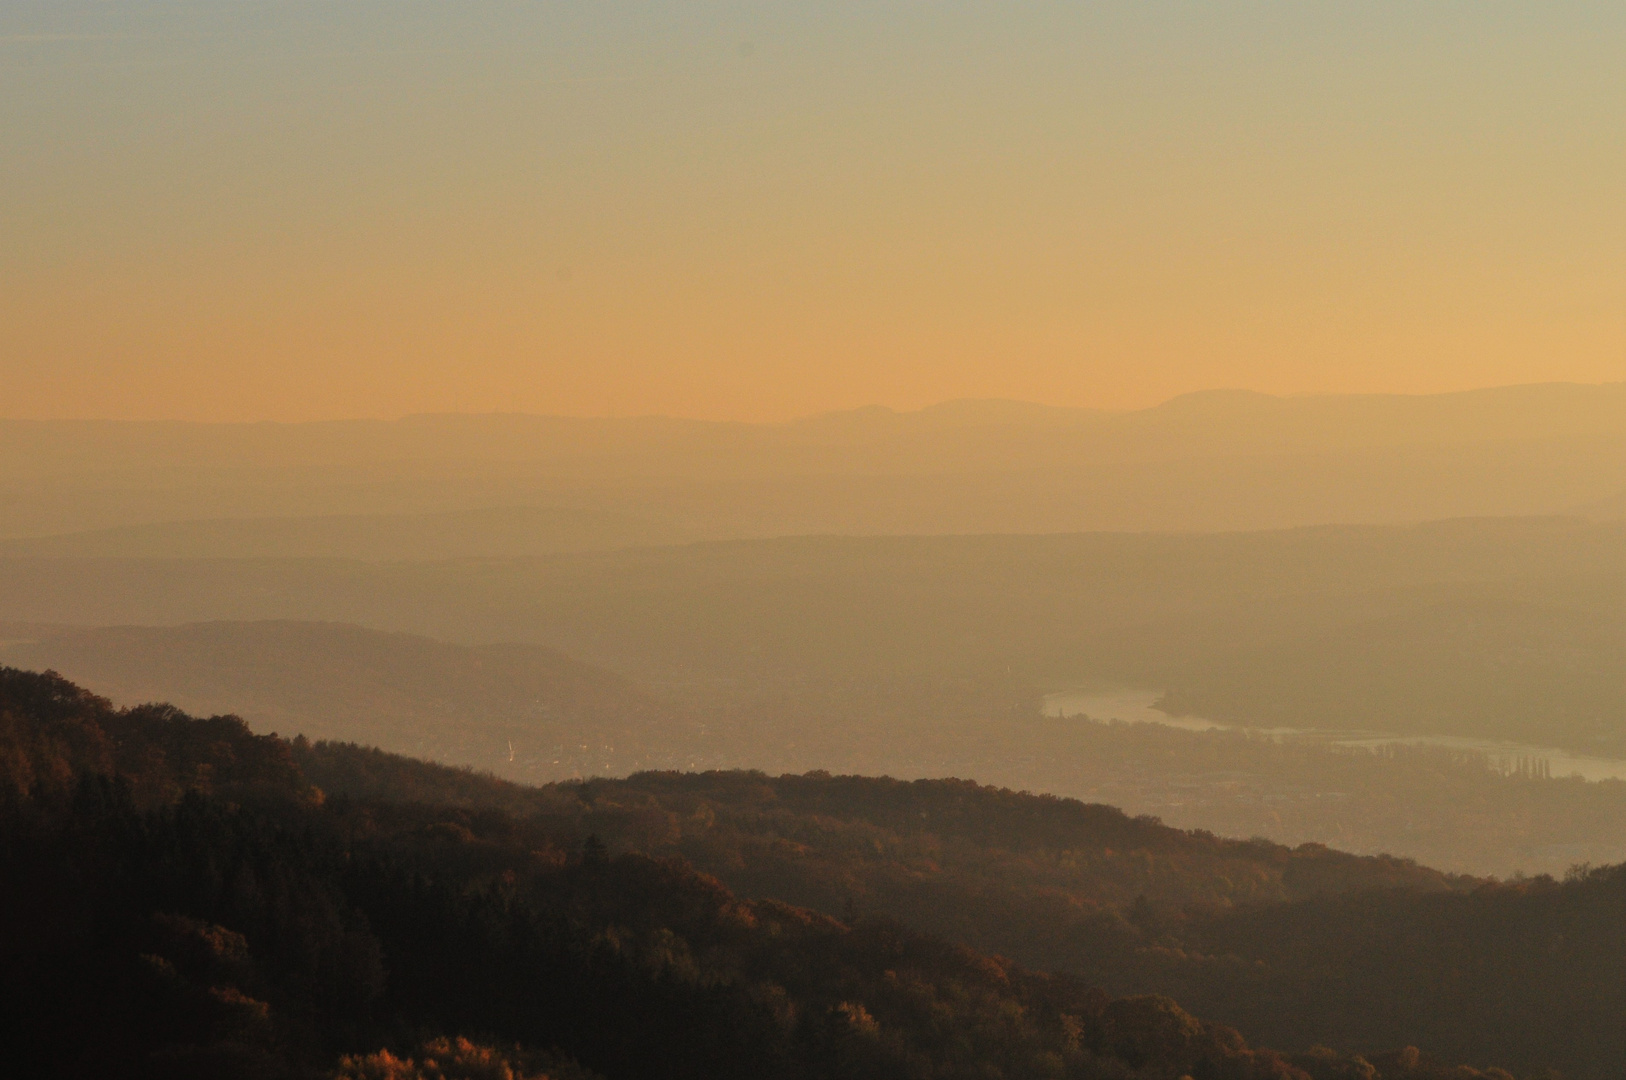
[(499, 532), (193, 897), (523, 711), (468, 705), (185, 903), (832, 627), (1503, 667)]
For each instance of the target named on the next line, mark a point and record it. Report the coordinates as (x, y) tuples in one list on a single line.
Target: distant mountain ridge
[(606, 446), (1611, 508), (1206, 461), (494, 532)]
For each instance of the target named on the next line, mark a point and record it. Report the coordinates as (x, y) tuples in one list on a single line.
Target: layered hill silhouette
[(185, 902), (1467, 667), (190, 898), (1509, 628), (1613, 507), (524, 711), (528, 713), (1219, 460), (501, 532)]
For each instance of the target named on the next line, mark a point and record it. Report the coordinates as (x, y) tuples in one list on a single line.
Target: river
[(1135, 707)]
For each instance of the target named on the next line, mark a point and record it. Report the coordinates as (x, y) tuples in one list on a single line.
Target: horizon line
[(873, 408)]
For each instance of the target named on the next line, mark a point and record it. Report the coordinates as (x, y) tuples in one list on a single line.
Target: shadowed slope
[(453, 703), (273, 938)]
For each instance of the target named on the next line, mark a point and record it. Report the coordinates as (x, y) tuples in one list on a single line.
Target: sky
[(299, 210)]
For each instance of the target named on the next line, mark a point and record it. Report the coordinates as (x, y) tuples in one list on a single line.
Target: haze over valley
[(546, 644), (447, 486), (739, 541)]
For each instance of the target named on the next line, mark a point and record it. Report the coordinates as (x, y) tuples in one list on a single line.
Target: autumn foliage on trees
[(183, 901), (459, 1059)]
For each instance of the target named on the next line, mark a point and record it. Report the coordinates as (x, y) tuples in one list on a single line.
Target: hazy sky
[(288, 210)]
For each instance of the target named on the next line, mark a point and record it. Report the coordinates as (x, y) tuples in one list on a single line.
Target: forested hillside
[(812, 541), (249, 906), (181, 902), (1287, 944), (529, 713)]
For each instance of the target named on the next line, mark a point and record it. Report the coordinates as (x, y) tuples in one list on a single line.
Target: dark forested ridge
[(1294, 946), (216, 916), (185, 898)]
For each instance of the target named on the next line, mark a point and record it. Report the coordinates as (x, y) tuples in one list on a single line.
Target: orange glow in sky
[(292, 210)]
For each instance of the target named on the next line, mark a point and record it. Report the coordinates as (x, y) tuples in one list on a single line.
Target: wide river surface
[(1135, 707)]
